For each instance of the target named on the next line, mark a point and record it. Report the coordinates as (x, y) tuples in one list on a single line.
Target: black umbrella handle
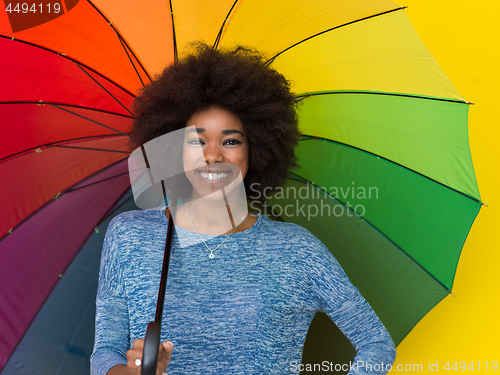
[(150, 350), (153, 332)]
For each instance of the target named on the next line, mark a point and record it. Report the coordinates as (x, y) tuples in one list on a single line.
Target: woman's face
[(224, 143)]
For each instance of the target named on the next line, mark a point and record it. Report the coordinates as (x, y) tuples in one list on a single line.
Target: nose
[(213, 154)]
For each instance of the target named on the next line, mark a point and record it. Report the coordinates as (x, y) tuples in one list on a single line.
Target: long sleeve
[(375, 349), (112, 321), (337, 297), (245, 311)]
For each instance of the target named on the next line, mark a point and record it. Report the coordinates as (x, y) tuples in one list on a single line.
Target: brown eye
[(232, 142), (195, 142)]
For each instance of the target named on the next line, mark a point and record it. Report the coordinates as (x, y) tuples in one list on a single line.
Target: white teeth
[(213, 176)]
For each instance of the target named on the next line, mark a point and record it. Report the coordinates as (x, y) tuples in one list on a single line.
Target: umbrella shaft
[(164, 271)]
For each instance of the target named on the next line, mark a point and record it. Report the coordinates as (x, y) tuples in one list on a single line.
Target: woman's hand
[(134, 354)]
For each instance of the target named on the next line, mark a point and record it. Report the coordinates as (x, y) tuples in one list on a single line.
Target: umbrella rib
[(270, 61), (129, 58), (174, 39), (56, 144), (91, 149), (102, 87), (308, 94), (110, 211), (309, 137), (86, 118), (69, 58), (124, 44), (219, 35), (94, 183), (71, 188), (41, 102), (303, 180)]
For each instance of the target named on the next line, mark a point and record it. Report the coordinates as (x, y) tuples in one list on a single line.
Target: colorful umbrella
[(385, 173)]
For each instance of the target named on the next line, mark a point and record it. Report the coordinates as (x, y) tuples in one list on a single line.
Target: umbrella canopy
[(385, 161)]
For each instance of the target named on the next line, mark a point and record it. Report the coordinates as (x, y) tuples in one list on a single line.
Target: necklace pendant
[(211, 255)]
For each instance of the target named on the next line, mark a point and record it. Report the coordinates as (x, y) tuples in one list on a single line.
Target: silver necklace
[(211, 255)]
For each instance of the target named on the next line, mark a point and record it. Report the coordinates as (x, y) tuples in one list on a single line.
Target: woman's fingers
[(134, 357), (164, 355), (168, 346), (138, 344)]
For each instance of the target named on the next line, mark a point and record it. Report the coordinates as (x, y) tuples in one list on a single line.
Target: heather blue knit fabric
[(247, 311)]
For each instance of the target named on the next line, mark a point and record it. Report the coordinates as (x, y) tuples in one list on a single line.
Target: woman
[(239, 299)]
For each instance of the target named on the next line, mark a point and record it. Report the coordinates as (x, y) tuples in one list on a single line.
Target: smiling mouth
[(213, 177)]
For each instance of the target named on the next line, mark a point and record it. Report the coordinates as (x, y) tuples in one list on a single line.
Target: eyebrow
[(225, 132)]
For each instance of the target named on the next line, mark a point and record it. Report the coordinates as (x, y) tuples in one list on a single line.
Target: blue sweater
[(247, 311)]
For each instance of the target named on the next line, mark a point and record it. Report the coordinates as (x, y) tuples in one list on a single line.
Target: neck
[(211, 216)]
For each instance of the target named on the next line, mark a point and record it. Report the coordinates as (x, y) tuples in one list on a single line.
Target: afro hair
[(238, 80)]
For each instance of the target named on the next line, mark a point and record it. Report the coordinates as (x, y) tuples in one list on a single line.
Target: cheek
[(192, 158), (244, 160), (185, 160)]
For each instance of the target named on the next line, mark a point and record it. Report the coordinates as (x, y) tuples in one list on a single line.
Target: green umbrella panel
[(397, 231)]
